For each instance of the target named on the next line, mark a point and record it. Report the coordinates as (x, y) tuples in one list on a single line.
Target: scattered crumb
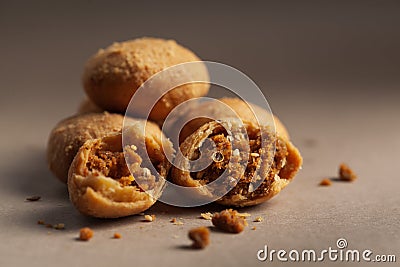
[(176, 222), (59, 226), (229, 221), (33, 198), (243, 215), (200, 237), (117, 235), (175, 236), (253, 228), (85, 234), (206, 215), (149, 218), (346, 174), (258, 219), (325, 182)]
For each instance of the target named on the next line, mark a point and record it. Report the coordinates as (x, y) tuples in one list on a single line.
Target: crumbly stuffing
[(229, 221), (244, 186), (206, 215), (346, 174), (85, 234), (149, 218), (111, 164), (325, 182), (200, 237), (33, 198), (117, 236)]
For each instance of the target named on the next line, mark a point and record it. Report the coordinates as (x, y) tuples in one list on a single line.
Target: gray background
[(329, 69)]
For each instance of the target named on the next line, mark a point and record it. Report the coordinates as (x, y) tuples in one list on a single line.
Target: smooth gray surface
[(329, 71)]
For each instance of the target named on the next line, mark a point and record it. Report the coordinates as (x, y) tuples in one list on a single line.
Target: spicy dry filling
[(222, 157), (109, 160)]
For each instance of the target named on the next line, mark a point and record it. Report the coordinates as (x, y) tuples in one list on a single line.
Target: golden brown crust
[(245, 111), (70, 134), (285, 164), (98, 189), (112, 76)]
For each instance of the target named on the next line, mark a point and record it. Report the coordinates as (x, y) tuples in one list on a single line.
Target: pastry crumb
[(229, 221), (33, 198), (176, 222), (325, 182), (149, 218), (253, 228), (41, 222), (206, 215), (258, 219), (59, 226), (85, 234), (200, 237), (346, 174), (244, 214), (117, 236)]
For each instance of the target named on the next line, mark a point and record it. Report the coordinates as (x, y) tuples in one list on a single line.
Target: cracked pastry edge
[(97, 195), (286, 174)]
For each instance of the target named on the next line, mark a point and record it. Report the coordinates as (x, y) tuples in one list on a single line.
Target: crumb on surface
[(59, 226), (253, 228), (117, 236), (49, 225), (229, 221), (258, 219), (149, 218), (200, 237), (325, 182), (346, 174), (206, 215), (176, 222), (33, 198), (244, 214), (41, 222), (85, 234)]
